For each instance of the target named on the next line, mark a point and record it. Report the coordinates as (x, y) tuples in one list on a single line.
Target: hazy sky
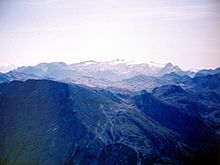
[(184, 32)]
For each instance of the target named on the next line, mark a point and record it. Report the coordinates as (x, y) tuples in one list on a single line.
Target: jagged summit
[(113, 70)]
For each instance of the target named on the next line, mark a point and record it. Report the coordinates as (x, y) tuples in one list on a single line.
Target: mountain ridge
[(95, 113), (116, 67), (89, 125)]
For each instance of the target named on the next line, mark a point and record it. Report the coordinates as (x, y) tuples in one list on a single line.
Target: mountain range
[(111, 112), (114, 70)]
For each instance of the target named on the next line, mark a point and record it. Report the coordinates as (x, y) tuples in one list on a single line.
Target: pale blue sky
[(184, 32)]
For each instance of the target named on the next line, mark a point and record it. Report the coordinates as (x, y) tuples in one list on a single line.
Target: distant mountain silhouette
[(115, 70), (205, 72)]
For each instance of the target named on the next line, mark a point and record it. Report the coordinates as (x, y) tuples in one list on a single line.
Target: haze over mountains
[(110, 112), (116, 67), (115, 70)]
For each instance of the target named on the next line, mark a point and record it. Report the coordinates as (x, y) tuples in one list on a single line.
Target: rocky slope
[(119, 113), (46, 122)]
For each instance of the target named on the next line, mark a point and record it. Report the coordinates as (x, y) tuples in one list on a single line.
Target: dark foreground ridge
[(49, 122)]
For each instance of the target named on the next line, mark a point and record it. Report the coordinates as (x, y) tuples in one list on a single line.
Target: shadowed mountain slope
[(46, 122)]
